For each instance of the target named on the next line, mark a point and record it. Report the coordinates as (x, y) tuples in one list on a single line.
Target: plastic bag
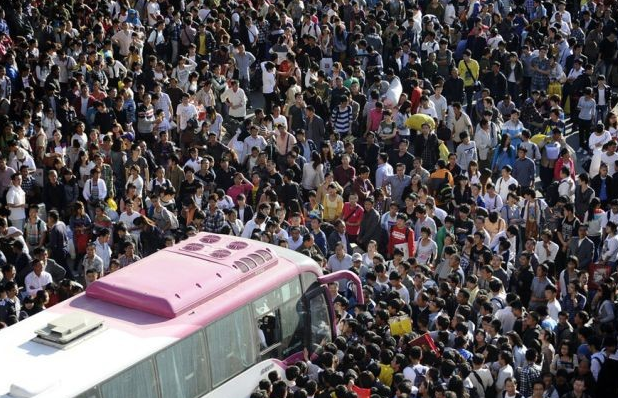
[(416, 121), (111, 203), (444, 152)]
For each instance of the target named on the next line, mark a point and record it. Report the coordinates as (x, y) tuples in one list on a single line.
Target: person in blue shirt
[(503, 155), (460, 344)]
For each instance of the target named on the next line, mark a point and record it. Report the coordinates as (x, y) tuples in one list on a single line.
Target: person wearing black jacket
[(53, 192), (426, 147), (244, 211), (603, 178), (577, 54), (151, 237), (454, 87), (514, 67), (289, 190), (496, 82), (370, 224)]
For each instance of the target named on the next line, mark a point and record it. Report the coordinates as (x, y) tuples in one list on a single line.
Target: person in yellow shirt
[(333, 204), (386, 370), (469, 71)]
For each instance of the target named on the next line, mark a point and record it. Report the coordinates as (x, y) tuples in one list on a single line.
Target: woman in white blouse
[(313, 173), (135, 179)]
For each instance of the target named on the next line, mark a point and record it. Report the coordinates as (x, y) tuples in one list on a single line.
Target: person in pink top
[(241, 185), (565, 160), (374, 118)]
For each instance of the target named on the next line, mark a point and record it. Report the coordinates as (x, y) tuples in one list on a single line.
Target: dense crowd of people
[(421, 145)]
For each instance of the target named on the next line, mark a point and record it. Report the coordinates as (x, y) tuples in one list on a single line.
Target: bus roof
[(133, 330), (186, 275)]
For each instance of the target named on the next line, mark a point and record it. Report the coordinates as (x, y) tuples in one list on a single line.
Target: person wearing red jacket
[(415, 96), (352, 215), (401, 237)]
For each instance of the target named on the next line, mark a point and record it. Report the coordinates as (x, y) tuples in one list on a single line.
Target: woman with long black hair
[(151, 237)]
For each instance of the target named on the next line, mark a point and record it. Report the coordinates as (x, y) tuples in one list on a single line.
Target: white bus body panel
[(245, 383), (64, 373)]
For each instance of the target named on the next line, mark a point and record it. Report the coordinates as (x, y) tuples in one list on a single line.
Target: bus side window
[(231, 345), (280, 321), (320, 320), (269, 330), (138, 381), (183, 368)]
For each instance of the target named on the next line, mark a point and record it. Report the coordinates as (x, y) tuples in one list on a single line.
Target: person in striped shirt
[(342, 117)]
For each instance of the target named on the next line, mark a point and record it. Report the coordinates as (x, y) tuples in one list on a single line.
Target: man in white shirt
[(37, 279), (16, 201), (268, 84), (553, 305), (102, 248), (295, 240), (506, 317), (184, 112), (257, 222), (504, 182), (95, 190), (309, 27), (254, 140), (480, 377), (439, 103), (609, 157), (493, 201), (427, 108), (6, 173), (564, 14), (611, 214), (123, 39), (154, 11), (609, 252), (415, 368), (383, 171), (195, 161), (164, 103), (545, 249), (19, 157), (127, 217), (278, 118), (236, 101), (92, 261)]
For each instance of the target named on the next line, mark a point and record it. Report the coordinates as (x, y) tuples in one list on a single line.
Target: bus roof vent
[(262, 258), (210, 239), (193, 247), (237, 245), (68, 330), (221, 253)]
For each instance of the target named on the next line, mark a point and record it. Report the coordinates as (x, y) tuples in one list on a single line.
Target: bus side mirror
[(350, 277)]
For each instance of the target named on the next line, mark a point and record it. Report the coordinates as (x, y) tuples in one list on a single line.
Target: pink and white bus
[(209, 317)]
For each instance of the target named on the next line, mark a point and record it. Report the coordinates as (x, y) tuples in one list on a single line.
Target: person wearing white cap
[(358, 267)]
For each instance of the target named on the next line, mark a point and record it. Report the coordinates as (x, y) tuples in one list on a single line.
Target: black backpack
[(490, 392), (607, 382), (551, 194), (419, 377)]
